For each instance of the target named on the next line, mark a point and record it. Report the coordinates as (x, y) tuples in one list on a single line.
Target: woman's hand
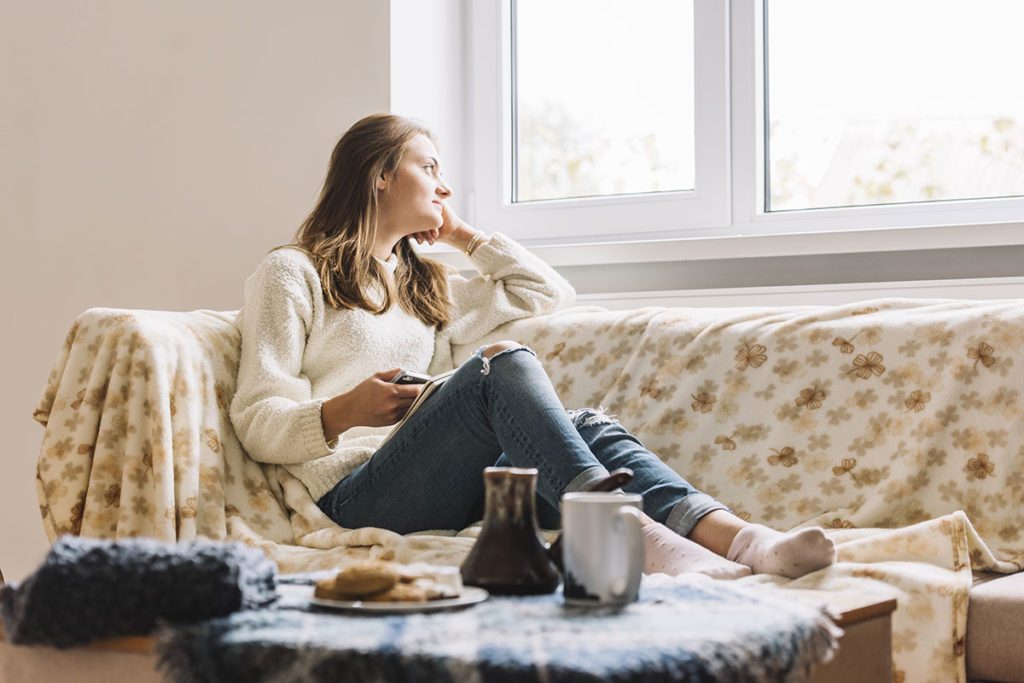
[(453, 230), (374, 402)]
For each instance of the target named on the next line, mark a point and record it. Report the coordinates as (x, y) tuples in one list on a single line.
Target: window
[(606, 121), (591, 115), (908, 101), (552, 59)]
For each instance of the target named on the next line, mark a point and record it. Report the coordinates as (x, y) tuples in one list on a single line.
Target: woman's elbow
[(568, 297), (563, 296), (242, 424)]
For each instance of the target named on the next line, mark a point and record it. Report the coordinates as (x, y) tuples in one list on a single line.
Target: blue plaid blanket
[(680, 630)]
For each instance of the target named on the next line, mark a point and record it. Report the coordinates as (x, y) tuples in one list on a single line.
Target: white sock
[(792, 554), (667, 552)]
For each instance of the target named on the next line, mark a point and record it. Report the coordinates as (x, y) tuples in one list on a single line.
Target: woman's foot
[(667, 552), (792, 554)]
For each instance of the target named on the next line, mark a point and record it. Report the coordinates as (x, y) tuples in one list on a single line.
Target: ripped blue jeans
[(502, 411)]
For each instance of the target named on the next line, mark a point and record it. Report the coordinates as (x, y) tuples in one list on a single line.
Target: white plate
[(470, 596)]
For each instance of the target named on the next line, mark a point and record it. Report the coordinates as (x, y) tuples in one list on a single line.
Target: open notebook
[(429, 387)]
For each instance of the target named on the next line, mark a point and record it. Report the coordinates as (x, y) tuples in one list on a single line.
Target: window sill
[(581, 253)]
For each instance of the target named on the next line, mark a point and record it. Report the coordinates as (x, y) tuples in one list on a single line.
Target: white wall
[(150, 154), (811, 295), (427, 80)]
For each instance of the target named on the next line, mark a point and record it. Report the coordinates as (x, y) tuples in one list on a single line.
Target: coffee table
[(864, 654)]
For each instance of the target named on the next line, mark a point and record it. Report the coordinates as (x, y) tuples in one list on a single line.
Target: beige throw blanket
[(881, 421)]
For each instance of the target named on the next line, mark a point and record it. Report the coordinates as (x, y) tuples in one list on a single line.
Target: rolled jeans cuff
[(585, 478), (687, 512)]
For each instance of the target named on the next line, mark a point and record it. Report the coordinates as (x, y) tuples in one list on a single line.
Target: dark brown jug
[(509, 557)]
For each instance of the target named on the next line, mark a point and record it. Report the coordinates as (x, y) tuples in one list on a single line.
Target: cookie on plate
[(400, 592), (358, 580), (438, 581)]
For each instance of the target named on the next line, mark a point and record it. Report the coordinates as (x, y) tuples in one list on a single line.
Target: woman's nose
[(444, 190)]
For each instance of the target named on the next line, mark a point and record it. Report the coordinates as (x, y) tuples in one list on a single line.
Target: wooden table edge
[(139, 645), (848, 607), (856, 615)]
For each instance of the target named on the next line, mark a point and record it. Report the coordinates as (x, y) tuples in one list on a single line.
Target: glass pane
[(889, 101), (604, 97)]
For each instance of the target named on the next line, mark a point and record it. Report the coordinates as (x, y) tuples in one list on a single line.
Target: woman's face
[(410, 199)]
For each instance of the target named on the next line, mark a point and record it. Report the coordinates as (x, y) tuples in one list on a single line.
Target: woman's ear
[(382, 183)]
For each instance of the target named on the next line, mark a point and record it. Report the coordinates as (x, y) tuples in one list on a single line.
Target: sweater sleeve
[(275, 416), (513, 283)]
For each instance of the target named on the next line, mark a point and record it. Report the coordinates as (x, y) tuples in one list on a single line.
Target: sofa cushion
[(995, 628)]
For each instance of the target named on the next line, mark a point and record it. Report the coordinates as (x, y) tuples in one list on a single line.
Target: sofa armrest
[(137, 437)]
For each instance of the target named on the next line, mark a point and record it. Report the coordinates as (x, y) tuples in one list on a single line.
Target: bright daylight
[(874, 102), (594, 115), (879, 102)]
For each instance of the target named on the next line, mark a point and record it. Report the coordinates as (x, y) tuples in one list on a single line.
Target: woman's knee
[(489, 352), (492, 350), (588, 417)]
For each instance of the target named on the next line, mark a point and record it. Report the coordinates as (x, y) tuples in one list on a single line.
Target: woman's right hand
[(374, 402)]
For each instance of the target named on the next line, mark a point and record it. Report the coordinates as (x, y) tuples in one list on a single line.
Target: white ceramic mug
[(602, 547)]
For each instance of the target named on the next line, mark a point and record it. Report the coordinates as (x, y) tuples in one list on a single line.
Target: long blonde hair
[(340, 232)]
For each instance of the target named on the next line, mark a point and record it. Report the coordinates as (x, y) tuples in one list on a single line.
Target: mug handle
[(631, 519)]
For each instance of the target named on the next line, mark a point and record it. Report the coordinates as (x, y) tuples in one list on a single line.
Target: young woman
[(328, 321)]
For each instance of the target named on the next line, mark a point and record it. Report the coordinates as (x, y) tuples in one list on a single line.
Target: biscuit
[(325, 590), (438, 581), (358, 580), (400, 592)]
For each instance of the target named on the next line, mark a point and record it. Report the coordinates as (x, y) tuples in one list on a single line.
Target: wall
[(891, 266), (152, 153), (810, 295), (427, 68)]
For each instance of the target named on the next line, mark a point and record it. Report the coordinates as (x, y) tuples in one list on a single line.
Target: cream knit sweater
[(297, 351)]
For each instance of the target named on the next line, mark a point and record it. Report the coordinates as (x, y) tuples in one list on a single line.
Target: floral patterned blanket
[(897, 424)]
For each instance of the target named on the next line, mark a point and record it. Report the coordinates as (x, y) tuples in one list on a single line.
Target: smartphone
[(406, 377)]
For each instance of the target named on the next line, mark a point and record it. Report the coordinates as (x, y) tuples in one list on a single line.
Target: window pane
[(604, 97), (883, 101)]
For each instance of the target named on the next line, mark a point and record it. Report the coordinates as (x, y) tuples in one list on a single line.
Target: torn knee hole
[(585, 417), (487, 353), (492, 350)]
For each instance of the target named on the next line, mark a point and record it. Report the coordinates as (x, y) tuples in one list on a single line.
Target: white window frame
[(653, 214), (724, 217)]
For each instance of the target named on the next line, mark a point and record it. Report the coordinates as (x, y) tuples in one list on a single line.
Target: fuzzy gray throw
[(88, 589)]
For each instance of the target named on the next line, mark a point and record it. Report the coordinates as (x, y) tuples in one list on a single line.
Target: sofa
[(896, 424)]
